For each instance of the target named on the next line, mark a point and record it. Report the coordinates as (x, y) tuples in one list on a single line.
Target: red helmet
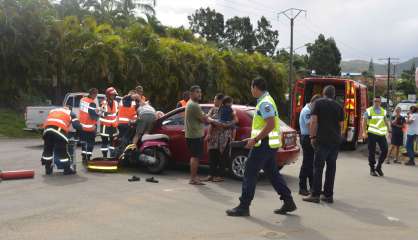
[(111, 91)]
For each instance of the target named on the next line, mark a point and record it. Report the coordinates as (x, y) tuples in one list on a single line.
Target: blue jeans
[(325, 154), (410, 139), (262, 157)]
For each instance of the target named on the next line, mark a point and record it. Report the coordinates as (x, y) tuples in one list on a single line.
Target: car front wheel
[(237, 164)]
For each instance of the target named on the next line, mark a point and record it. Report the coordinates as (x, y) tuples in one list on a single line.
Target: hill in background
[(361, 66)]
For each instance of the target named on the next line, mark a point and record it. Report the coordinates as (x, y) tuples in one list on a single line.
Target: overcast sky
[(363, 29)]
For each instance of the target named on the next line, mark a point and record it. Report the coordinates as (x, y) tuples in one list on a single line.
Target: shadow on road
[(366, 215), (58, 179), (400, 181), (215, 196), (36, 147), (291, 226)]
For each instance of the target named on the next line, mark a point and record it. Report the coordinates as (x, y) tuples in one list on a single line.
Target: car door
[(173, 126)]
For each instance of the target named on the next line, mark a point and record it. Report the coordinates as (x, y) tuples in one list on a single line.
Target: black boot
[(68, 171), (312, 199), (379, 171), (304, 192), (238, 212), (410, 163), (288, 206), (48, 167), (373, 173), (327, 199)]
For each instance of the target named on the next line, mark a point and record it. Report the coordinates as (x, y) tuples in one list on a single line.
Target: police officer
[(108, 121), (55, 135), (88, 116), (264, 142), (377, 125)]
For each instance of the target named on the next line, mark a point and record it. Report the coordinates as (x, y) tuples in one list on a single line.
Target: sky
[(363, 29)]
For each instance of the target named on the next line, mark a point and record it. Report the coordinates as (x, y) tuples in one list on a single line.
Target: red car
[(172, 125)]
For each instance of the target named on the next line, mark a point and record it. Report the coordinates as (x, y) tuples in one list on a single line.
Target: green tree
[(239, 34), (324, 56), (208, 24), (407, 82), (267, 39)]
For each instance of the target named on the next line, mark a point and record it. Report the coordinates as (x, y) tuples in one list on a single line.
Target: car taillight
[(289, 139)]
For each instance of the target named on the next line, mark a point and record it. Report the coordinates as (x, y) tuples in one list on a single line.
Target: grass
[(12, 124)]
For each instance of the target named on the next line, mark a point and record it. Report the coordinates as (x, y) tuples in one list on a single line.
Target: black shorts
[(195, 146)]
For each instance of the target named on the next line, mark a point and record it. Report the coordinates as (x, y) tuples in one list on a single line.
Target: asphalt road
[(107, 206)]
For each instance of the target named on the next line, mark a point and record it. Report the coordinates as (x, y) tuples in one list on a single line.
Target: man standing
[(55, 135), (108, 121), (88, 116), (306, 170), (377, 125), (194, 131), (264, 142), (325, 132)]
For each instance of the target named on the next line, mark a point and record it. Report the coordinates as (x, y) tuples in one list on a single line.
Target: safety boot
[(288, 206)]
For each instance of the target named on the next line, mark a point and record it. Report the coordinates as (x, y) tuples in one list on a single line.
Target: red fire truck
[(351, 94)]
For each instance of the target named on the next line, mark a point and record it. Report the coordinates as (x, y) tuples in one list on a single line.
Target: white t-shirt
[(145, 109), (413, 126)]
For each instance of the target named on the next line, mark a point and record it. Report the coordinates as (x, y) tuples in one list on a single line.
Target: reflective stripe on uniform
[(47, 158), (124, 119), (102, 167), (56, 120), (87, 125), (57, 132), (107, 121), (64, 160)]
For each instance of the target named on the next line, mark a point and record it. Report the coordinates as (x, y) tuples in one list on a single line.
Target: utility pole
[(388, 88), (291, 14)]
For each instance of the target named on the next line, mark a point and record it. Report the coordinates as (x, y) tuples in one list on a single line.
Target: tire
[(237, 163), (162, 160)]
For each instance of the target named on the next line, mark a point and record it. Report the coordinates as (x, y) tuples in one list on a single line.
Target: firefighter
[(88, 116), (377, 125), (183, 102), (127, 115), (55, 135), (108, 121)]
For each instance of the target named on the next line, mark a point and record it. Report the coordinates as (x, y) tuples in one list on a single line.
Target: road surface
[(107, 206)]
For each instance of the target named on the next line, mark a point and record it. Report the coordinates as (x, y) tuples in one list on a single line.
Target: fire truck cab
[(351, 94)]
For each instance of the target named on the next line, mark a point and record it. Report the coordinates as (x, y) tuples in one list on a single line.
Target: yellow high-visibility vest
[(259, 123), (376, 122)]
